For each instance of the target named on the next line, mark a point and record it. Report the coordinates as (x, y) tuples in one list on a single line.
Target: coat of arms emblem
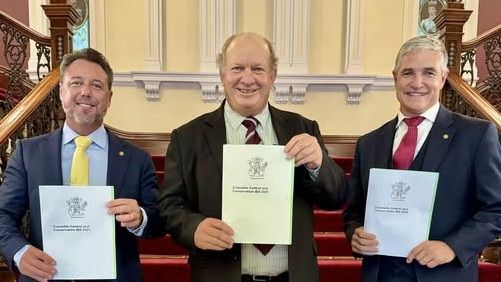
[(76, 207), (257, 166), (399, 191)]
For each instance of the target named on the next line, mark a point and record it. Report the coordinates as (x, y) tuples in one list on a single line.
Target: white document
[(78, 232), (399, 208), (258, 193)]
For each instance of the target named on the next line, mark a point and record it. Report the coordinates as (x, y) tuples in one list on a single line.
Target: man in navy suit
[(464, 151), (85, 93)]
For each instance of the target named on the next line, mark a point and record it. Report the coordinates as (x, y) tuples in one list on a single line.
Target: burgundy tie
[(251, 137), (404, 155)]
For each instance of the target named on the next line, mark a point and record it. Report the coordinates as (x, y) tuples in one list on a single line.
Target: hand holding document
[(399, 208), (78, 232), (258, 193)]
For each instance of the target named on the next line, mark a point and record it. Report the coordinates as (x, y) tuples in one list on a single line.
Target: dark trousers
[(394, 269)]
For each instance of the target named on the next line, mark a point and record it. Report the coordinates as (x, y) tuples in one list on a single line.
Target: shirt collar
[(98, 137), (430, 114), (235, 119)]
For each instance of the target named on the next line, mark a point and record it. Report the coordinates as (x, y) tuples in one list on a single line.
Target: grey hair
[(221, 57), (422, 43)]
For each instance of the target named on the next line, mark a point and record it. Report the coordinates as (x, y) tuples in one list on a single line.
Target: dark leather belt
[(284, 277)]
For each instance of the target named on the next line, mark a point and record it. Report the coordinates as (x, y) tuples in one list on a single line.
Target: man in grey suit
[(190, 197), (85, 93), (464, 151)]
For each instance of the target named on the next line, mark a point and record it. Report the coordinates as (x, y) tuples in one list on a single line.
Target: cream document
[(258, 185), (78, 232), (399, 208)]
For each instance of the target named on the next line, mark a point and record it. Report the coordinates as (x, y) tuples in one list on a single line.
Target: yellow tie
[(80, 163)]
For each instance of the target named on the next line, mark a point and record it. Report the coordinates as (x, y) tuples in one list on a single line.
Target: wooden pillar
[(62, 17), (450, 22)]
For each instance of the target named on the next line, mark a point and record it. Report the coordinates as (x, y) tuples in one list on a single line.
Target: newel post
[(450, 22), (62, 17)]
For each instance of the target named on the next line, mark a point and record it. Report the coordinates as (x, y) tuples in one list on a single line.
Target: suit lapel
[(215, 132), (439, 139), (118, 159), (52, 147), (282, 124), (384, 151)]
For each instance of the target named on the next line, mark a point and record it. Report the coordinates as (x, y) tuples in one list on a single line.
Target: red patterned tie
[(404, 155), (251, 137)]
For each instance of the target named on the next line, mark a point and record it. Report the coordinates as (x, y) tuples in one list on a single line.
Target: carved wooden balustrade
[(467, 95), (16, 38)]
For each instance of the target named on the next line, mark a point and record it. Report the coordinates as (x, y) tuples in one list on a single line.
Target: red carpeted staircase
[(163, 260)]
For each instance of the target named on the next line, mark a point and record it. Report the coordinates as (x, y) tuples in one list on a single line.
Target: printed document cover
[(258, 193), (78, 232), (399, 208)]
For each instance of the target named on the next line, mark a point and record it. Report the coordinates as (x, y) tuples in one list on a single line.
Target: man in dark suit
[(464, 151), (190, 197), (85, 93)]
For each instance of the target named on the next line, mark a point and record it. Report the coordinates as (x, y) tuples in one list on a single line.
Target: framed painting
[(428, 10)]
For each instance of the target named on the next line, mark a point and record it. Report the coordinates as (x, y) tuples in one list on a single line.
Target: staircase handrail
[(486, 36), (20, 113), (26, 30), (476, 101)]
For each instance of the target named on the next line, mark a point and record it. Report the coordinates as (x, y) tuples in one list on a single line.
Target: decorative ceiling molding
[(289, 88)]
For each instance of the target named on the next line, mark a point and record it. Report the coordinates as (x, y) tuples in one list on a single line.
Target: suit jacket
[(37, 161), (191, 192), (467, 210)]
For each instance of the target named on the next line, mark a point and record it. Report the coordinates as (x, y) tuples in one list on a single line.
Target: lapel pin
[(445, 136), (121, 153)]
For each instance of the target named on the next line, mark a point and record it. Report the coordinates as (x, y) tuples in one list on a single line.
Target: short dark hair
[(90, 55)]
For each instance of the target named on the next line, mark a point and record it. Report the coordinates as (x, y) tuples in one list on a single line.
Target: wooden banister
[(27, 31), (486, 36), (479, 103), (18, 115)]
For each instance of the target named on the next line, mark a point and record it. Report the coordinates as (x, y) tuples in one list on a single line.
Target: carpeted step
[(165, 268), (176, 269), (328, 243), (332, 269), (332, 244), (327, 221)]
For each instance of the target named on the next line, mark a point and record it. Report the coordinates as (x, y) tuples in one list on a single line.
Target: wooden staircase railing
[(23, 110), (483, 107), (38, 108), (483, 100)]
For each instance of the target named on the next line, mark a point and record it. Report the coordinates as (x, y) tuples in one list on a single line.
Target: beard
[(85, 119)]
